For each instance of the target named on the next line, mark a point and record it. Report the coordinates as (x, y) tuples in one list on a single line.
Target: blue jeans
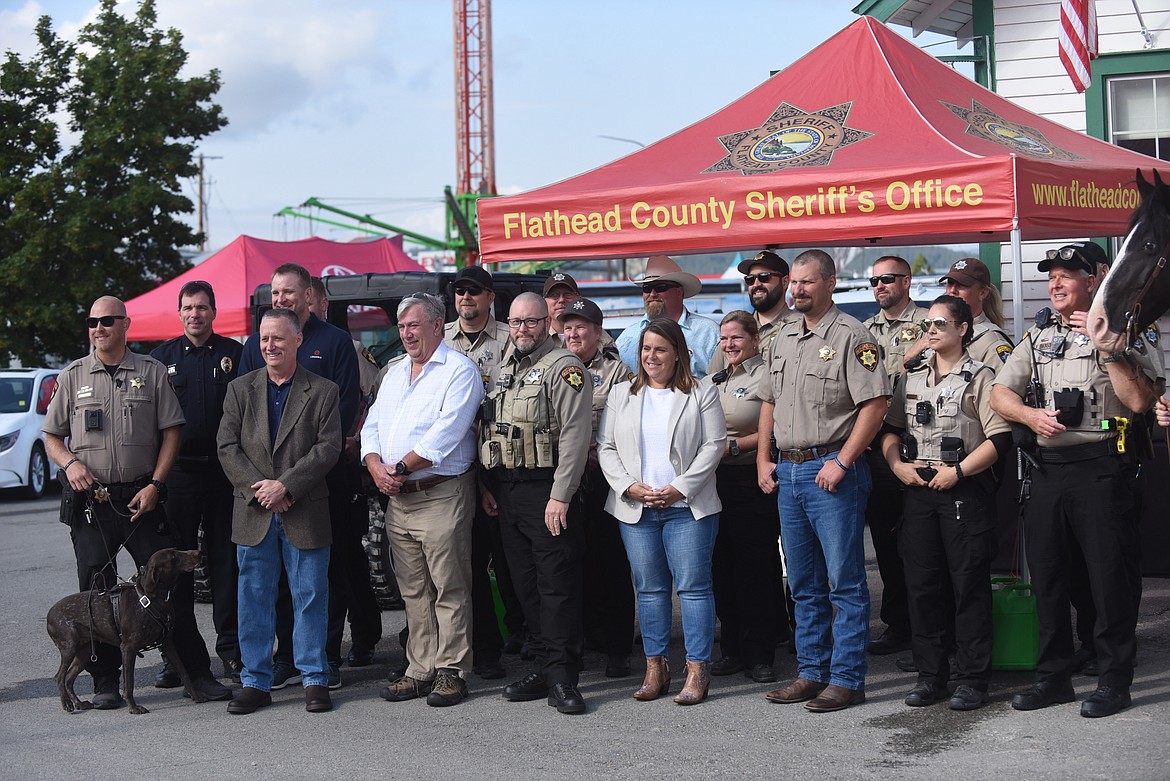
[(823, 535), (666, 544), (308, 579)]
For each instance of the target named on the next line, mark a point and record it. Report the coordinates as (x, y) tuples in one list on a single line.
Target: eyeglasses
[(764, 276), (885, 279), (658, 287), (940, 323), (526, 322), (106, 321), (468, 291)]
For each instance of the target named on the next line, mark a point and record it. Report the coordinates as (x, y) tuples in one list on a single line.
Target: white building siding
[(1029, 73)]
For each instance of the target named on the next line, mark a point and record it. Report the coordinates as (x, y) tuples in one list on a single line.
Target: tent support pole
[(1017, 286)]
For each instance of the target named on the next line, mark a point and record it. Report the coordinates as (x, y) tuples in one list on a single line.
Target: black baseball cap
[(1083, 255), (766, 258), (474, 275), (585, 308)]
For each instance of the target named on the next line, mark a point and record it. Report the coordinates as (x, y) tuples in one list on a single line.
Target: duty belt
[(120, 492), (523, 475), (808, 454), (1074, 453)]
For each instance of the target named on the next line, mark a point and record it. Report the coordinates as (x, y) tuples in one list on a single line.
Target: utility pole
[(203, 203)]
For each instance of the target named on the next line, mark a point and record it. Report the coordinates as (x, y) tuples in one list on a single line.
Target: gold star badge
[(137, 383), (827, 353), (867, 355), (574, 377)]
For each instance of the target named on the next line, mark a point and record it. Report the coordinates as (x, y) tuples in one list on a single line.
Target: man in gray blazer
[(280, 435)]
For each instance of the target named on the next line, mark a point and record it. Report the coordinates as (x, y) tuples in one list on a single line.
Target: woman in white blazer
[(659, 442)]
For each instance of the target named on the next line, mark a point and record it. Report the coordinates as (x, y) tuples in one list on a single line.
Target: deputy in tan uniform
[(609, 591), (122, 420), (1084, 486), (482, 338), (969, 279), (747, 576), (941, 440), (824, 401), (560, 291), (765, 276), (536, 433), (897, 329)]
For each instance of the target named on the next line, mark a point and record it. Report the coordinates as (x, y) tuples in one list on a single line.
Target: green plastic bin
[(1017, 627)]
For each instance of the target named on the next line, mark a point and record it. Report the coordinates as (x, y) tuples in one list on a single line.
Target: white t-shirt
[(657, 471)]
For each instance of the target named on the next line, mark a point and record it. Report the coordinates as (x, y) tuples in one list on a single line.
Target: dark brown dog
[(81, 619)]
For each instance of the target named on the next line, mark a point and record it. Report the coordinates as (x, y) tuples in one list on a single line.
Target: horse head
[(1135, 292)]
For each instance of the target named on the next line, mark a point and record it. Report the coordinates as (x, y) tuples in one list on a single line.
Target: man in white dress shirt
[(419, 443)]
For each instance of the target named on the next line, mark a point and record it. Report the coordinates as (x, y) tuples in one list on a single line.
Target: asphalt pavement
[(736, 733)]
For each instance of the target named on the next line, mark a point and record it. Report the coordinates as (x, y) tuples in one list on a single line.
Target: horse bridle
[(1131, 322)]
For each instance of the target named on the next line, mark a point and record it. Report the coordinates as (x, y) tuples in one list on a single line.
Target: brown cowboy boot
[(657, 681), (698, 681)]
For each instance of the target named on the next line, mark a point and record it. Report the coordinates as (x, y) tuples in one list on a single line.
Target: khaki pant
[(430, 537)]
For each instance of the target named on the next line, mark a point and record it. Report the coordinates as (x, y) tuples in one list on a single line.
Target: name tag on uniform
[(85, 391), (172, 370)]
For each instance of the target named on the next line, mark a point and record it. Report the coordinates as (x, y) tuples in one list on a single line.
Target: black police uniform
[(199, 492)]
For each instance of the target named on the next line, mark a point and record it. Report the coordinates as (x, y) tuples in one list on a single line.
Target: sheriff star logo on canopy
[(984, 123), (790, 138)]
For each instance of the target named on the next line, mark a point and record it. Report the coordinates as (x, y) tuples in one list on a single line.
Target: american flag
[(1078, 39)]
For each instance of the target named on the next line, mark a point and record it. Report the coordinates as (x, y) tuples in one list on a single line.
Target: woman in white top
[(660, 440)]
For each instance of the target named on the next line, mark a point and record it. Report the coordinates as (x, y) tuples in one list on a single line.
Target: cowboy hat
[(660, 268)]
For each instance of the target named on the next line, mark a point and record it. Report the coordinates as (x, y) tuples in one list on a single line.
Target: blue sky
[(352, 101)]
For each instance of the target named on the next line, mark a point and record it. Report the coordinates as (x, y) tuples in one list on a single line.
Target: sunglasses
[(1068, 253), (939, 323), (527, 322), (106, 321), (885, 279), (468, 291), (764, 276), (659, 287)]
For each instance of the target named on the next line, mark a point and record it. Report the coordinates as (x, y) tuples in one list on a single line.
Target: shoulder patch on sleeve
[(867, 355), (1151, 334), (574, 377), (1004, 351)]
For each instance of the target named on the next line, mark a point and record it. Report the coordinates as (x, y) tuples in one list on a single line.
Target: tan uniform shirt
[(897, 335), (974, 403), (488, 348), (818, 378), (1078, 366), (605, 370), (768, 332), (989, 345), (739, 395), (125, 414), (570, 404)]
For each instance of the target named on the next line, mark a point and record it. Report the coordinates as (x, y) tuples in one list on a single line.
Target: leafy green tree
[(103, 216), (920, 265)]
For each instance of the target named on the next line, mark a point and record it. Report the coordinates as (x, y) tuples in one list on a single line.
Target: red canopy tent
[(236, 270), (866, 139)]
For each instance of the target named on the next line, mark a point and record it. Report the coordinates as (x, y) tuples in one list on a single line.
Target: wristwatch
[(161, 487), (733, 447), (400, 469)]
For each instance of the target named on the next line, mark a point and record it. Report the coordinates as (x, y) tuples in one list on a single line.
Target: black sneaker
[(890, 642), (727, 665), (617, 666), (334, 675), (448, 689), (283, 674), (106, 695), (761, 673), (967, 698), (925, 693), (489, 670), (167, 678), (232, 669)]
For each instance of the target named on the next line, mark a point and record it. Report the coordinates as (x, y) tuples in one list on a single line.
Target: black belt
[(523, 475), (414, 486), (1074, 453), (796, 456), (122, 492)]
